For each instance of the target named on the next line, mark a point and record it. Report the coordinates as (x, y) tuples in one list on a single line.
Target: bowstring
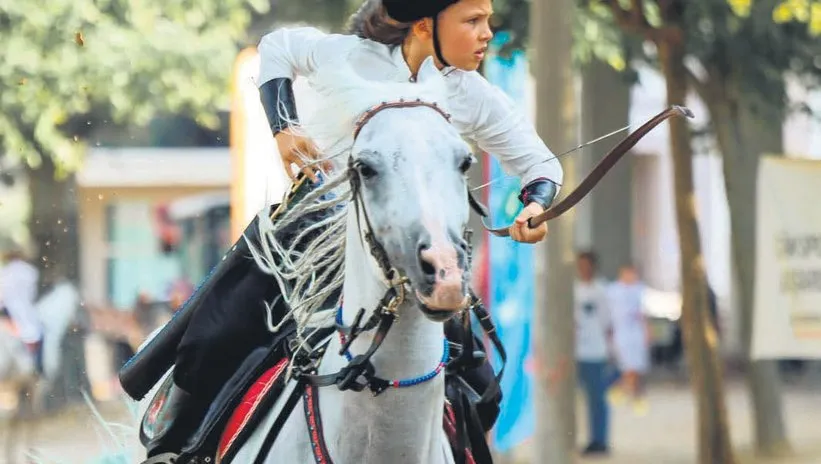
[(565, 153)]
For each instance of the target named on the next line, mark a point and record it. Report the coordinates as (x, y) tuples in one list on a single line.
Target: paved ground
[(665, 435), (76, 436)]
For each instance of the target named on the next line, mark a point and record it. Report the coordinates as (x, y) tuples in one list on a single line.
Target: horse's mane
[(309, 265)]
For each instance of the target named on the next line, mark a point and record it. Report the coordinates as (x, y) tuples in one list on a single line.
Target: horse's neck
[(401, 425)]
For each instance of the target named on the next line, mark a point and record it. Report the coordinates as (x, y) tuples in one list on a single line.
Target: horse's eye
[(466, 163), (365, 170)]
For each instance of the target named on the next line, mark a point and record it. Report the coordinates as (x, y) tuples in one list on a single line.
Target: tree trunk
[(53, 229), (53, 223), (605, 216), (700, 338), (744, 134), (554, 328)]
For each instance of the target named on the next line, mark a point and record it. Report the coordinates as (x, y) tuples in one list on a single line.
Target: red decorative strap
[(245, 409), (311, 402)]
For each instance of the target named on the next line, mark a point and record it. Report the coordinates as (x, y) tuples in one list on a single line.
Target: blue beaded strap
[(406, 382)]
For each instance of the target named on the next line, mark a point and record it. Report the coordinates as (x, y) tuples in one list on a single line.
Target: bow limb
[(599, 171)]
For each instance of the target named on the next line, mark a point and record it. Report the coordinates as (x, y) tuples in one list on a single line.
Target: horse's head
[(408, 167)]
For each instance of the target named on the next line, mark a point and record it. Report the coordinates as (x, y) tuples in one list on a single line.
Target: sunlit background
[(134, 151)]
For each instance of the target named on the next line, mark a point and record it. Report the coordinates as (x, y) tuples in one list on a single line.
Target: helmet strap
[(437, 47)]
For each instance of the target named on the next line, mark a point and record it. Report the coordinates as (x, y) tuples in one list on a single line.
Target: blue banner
[(511, 274)]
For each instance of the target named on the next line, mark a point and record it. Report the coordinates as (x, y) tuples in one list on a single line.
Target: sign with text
[(787, 317)]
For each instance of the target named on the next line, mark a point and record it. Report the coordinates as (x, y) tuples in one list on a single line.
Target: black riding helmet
[(407, 11)]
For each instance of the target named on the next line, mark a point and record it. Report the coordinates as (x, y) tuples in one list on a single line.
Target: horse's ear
[(428, 71)]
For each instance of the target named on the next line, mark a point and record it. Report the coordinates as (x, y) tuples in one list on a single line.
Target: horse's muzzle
[(439, 315), (443, 280)]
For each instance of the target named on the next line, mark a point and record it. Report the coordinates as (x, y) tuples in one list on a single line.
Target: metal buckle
[(357, 375), (398, 284), (307, 365)]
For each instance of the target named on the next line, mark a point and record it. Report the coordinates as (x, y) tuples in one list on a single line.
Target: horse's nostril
[(427, 267)]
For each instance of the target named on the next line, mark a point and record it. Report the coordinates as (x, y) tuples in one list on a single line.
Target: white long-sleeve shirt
[(481, 112), (18, 294)]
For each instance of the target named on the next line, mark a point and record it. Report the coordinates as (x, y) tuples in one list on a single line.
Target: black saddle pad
[(204, 441)]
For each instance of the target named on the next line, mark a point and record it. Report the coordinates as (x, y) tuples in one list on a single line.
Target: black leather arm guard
[(541, 191), (277, 96)]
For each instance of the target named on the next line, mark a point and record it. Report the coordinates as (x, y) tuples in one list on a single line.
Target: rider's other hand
[(299, 151), (521, 231)]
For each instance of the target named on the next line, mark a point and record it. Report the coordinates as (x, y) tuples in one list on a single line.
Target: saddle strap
[(490, 331), (293, 399), (310, 400)]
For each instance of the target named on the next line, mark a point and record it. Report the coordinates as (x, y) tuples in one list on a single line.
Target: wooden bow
[(598, 172)]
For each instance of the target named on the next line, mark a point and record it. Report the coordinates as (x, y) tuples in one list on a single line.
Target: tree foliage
[(761, 40), (326, 14), (512, 17), (125, 59), (594, 36), (801, 11)]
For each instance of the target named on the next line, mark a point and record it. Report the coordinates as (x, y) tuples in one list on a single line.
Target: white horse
[(21, 385), (406, 164)]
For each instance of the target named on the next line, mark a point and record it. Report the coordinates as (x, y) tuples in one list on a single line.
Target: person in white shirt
[(18, 296), (592, 317), (390, 41), (630, 334)]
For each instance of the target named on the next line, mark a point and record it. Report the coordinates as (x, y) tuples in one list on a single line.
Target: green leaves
[(129, 58), (596, 37), (785, 11), (802, 11)]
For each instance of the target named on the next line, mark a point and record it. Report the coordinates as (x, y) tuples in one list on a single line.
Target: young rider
[(391, 40)]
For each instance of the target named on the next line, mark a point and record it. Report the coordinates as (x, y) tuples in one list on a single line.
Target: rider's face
[(464, 33)]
